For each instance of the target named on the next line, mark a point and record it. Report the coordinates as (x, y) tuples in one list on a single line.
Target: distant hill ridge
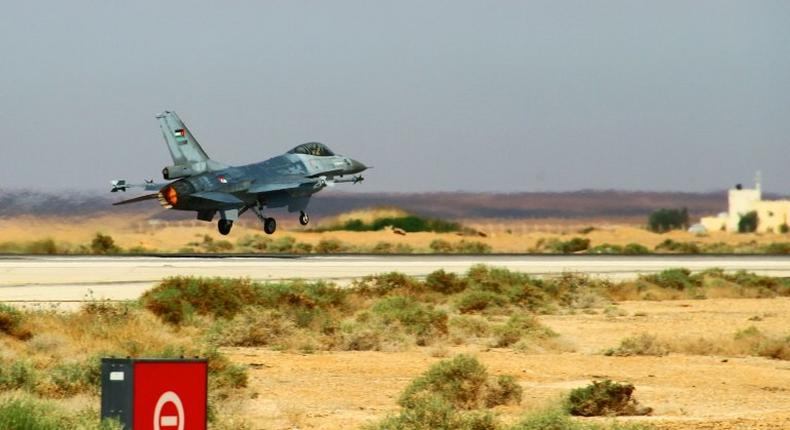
[(575, 204)]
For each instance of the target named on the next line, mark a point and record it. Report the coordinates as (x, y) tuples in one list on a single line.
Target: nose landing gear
[(269, 225), (304, 218), (224, 226)]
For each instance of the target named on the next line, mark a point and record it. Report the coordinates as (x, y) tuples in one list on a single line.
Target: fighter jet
[(209, 187)]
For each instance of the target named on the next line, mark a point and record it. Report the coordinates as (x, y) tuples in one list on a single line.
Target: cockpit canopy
[(312, 148)]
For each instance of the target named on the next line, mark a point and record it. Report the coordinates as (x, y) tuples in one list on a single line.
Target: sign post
[(155, 394)]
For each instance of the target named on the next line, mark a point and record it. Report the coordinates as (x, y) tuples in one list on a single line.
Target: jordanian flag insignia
[(181, 135)]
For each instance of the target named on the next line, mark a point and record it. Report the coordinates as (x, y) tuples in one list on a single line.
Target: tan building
[(771, 214)]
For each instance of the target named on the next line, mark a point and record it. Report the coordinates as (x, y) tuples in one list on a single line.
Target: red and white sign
[(222, 179), (170, 395)]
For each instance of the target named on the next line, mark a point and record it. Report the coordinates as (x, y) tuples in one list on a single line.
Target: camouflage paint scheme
[(211, 188)]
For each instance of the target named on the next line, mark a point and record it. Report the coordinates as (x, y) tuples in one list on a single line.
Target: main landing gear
[(269, 224), (303, 218), (224, 226)]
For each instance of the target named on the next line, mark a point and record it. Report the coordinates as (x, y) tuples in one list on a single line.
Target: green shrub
[(557, 419), (771, 285), (748, 223), (383, 248), (670, 245), (604, 398), (436, 414), (664, 220), (784, 228), (644, 344), (18, 375), (503, 390), (303, 248), (407, 223), (177, 299), (635, 249), (257, 242), (577, 244), (104, 244), (441, 246), (776, 248), (496, 279), (417, 319), (413, 224), (463, 383), (444, 282), (283, 244), (676, 279), (761, 345), (386, 283), (478, 300), (330, 246), (29, 413), (73, 377), (472, 247), (44, 246), (465, 326), (255, 327), (518, 327), (11, 322)]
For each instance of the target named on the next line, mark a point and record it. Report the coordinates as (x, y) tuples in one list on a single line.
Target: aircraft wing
[(328, 173), (312, 181), (279, 186), (219, 197), (137, 199)]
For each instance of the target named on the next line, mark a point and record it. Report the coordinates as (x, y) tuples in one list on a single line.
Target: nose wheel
[(224, 226), (269, 225), (304, 218)]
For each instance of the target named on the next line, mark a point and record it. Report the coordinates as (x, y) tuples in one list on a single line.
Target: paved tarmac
[(77, 278)]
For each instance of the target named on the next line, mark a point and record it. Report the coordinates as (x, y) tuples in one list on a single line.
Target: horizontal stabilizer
[(137, 199), (219, 197)]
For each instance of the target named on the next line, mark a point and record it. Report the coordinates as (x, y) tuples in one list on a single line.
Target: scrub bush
[(445, 283), (478, 300), (604, 398), (417, 319), (463, 383), (11, 320), (644, 344)]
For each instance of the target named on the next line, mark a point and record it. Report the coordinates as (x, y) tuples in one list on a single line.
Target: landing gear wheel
[(269, 226), (224, 226), (303, 218)]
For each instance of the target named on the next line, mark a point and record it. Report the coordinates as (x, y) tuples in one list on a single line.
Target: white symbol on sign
[(169, 420)]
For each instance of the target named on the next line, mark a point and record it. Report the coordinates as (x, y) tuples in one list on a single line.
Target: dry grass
[(61, 358), (749, 341), (514, 236)]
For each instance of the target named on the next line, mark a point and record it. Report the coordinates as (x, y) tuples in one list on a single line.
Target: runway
[(77, 278)]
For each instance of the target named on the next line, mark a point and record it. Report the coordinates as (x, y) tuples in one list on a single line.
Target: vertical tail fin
[(183, 147)]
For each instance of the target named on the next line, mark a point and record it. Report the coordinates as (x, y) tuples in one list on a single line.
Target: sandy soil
[(512, 236), (347, 389)]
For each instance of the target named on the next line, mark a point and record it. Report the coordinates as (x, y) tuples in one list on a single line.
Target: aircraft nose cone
[(356, 167)]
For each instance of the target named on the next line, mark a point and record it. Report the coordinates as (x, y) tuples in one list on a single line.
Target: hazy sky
[(437, 95)]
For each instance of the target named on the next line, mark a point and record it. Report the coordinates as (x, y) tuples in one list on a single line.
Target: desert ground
[(341, 390), (503, 236)]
